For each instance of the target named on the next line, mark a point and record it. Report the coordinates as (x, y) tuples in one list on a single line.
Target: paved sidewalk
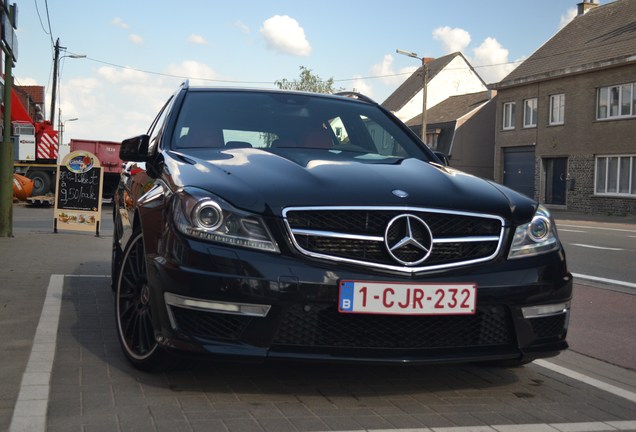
[(28, 260)]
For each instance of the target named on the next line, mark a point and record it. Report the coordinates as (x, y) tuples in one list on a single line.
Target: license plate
[(407, 298)]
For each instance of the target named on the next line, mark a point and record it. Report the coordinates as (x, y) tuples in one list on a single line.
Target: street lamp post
[(62, 125), (56, 62), (424, 81)]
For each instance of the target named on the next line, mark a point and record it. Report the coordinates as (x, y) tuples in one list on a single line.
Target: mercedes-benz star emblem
[(400, 193), (408, 239)]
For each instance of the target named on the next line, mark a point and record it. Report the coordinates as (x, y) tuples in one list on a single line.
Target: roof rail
[(355, 95)]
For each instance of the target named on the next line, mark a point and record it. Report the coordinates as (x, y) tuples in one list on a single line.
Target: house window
[(616, 101), (530, 113), (557, 109), (615, 175), (509, 115)]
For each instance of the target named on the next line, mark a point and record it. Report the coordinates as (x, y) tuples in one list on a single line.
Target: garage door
[(519, 169)]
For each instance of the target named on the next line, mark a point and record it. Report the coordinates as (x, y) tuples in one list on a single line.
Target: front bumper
[(228, 302)]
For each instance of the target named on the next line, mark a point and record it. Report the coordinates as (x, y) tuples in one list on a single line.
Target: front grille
[(209, 324), (323, 326), (361, 236)]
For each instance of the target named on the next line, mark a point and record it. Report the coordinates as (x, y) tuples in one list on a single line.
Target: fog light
[(545, 310)]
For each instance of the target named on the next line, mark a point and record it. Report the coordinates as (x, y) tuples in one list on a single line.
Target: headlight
[(199, 214), (536, 237)]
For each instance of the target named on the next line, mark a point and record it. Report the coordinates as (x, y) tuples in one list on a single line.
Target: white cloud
[(490, 58), (197, 39), (26, 81), (136, 39), (569, 16), (242, 27), (118, 22), (115, 108), (283, 34), (119, 76), (388, 75), (491, 61), (452, 39), (192, 70), (362, 86)]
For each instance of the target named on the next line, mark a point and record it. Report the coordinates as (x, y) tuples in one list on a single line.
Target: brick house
[(566, 117)]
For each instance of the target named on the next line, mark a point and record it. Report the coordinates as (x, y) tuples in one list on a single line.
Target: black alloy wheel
[(134, 313)]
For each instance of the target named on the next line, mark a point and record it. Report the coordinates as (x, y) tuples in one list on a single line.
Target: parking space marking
[(609, 388), (594, 227), (30, 411), (623, 425), (604, 280)]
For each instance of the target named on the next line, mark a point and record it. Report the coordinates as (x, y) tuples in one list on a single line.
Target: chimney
[(585, 6)]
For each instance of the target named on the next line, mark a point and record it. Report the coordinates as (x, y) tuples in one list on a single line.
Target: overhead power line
[(225, 81)]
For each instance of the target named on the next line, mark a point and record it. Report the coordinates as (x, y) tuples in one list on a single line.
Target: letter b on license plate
[(407, 299)]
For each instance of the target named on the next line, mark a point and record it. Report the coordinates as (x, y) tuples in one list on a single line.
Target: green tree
[(308, 82)]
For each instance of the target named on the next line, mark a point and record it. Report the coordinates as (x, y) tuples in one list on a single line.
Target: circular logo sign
[(408, 239)]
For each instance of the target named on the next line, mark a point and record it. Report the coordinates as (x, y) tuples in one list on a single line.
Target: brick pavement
[(94, 388)]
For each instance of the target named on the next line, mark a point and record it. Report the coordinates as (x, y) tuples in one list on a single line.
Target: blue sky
[(138, 51)]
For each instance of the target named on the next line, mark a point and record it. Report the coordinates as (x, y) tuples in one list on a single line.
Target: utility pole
[(424, 94), (54, 87), (424, 90), (6, 151)]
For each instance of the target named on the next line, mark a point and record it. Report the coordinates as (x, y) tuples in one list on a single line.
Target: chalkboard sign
[(78, 192)]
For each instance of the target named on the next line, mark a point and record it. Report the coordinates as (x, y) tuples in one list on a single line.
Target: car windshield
[(287, 122)]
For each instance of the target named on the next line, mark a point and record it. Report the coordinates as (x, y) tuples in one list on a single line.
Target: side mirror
[(135, 149), (444, 159)]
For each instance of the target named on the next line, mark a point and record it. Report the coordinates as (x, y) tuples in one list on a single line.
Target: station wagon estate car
[(272, 224)]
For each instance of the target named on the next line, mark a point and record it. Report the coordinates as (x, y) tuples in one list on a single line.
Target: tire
[(41, 182), (133, 312), (116, 254), (114, 265)]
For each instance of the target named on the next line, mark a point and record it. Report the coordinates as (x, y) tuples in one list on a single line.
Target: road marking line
[(597, 426), (609, 388), (29, 413), (559, 225), (604, 280), (596, 247), (570, 230)]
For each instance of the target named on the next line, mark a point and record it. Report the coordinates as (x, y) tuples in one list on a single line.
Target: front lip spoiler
[(230, 308)]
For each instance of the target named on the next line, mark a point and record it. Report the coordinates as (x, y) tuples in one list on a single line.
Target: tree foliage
[(308, 82)]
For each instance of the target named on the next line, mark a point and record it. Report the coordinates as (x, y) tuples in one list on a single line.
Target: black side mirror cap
[(135, 149)]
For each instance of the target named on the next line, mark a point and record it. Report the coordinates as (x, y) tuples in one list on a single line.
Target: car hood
[(266, 183)]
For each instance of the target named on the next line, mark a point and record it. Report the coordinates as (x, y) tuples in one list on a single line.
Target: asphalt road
[(600, 249)]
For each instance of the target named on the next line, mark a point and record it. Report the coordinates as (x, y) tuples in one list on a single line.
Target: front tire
[(133, 311)]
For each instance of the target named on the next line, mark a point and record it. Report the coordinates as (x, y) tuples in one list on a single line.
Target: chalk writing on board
[(78, 191)]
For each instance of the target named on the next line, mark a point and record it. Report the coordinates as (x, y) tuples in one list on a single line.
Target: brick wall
[(582, 198)]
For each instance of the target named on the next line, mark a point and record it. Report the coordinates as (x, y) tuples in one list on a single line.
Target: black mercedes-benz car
[(286, 225)]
